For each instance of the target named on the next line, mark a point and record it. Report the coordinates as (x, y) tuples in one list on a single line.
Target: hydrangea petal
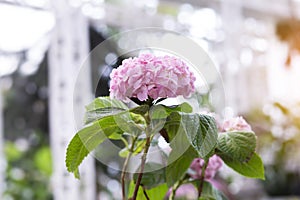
[(151, 76)]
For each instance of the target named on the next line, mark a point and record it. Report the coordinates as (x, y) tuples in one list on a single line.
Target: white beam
[(68, 49), (231, 9)]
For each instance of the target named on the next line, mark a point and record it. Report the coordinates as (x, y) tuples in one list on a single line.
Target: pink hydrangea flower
[(214, 164), (236, 124), (186, 191), (151, 76)]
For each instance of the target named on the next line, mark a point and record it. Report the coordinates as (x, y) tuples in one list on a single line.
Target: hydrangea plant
[(199, 143)]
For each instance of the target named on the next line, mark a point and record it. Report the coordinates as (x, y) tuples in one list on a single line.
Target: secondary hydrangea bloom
[(151, 76), (236, 124), (214, 164), (185, 191)]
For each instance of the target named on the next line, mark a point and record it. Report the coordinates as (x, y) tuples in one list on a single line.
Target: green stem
[(202, 178), (124, 141), (144, 156), (123, 176), (175, 187), (173, 191)]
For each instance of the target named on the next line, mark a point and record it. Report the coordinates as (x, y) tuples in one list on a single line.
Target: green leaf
[(158, 112), (154, 175), (184, 107), (142, 109), (158, 192), (177, 169), (166, 119), (161, 111), (252, 168), (210, 193), (138, 119), (101, 107), (172, 126), (180, 158), (94, 115), (158, 117), (124, 152), (139, 147), (131, 123), (201, 131), (237, 145), (76, 152), (105, 102), (127, 120), (87, 139)]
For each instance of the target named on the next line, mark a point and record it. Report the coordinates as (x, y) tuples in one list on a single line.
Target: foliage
[(26, 147), (190, 135), (278, 129), (29, 180)]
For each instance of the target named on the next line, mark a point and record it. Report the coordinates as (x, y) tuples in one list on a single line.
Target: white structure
[(68, 49)]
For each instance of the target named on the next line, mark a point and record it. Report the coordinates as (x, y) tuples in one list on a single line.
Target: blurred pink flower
[(236, 124), (186, 191), (151, 76), (214, 164)]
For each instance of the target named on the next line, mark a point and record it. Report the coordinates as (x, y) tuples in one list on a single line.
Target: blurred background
[(254, 44)]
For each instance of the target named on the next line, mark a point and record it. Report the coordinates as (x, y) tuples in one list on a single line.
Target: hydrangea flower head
[(149, 76), (214, 164), (236, 124)]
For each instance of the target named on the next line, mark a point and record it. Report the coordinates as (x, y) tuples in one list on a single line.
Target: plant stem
[(123, 176), (174, 188), (144, 156), (202, 178), (145, 194)]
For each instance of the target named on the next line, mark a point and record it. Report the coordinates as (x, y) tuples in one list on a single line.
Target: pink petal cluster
[(151, 76), (214, 164), (236, 124), (185, 191)]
